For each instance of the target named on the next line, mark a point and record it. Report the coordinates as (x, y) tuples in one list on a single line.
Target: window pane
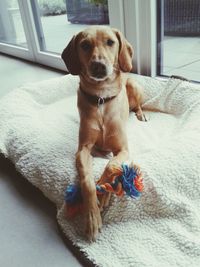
[(57, 21), (11, 27), (179, 42)]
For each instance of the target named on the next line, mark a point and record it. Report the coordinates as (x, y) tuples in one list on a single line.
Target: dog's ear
[(125, 53), (71, 58)]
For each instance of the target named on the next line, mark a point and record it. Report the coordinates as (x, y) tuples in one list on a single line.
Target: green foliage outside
[(52, 7), (55, 7)]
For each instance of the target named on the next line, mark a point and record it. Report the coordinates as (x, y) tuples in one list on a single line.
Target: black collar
[(96, 100)]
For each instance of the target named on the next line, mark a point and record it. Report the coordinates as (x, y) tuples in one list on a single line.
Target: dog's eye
[(86, 46), (110, 42)]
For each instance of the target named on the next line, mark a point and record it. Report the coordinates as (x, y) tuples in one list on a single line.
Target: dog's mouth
[(99, 71)]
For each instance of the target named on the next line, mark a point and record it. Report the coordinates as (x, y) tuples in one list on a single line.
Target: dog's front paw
[(93, 223)]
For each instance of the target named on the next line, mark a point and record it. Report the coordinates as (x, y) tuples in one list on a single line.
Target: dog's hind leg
[(135, 98)]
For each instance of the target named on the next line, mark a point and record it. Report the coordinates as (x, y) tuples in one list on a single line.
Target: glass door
[(12, 30), (57, 21), (42, 28), (13, 39), (178, 42)]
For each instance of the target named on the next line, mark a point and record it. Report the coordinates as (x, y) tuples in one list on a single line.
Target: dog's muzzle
[(98, 70)]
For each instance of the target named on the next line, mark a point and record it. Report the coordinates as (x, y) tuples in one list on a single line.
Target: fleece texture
[(39, 132)]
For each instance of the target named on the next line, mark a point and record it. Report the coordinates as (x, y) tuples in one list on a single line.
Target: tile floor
[(181, 56)]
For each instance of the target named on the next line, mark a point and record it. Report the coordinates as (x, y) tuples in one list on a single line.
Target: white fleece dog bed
[(39, 132)]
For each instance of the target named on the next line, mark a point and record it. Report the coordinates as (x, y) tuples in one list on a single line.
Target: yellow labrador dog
[(100, 56)]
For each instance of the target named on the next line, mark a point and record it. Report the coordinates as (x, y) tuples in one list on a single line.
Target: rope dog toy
[(124, 180)]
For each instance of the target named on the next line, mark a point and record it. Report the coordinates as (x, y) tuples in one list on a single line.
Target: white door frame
[(140, 30)]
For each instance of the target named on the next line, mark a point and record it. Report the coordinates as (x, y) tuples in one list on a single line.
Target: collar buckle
[(100, 101)]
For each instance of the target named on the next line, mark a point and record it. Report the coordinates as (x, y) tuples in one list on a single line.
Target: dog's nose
[(98, 69)]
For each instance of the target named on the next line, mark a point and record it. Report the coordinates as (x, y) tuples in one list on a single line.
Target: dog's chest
[(110, 122)]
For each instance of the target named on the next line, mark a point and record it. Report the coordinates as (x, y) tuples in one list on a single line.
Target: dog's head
[(98, 52)]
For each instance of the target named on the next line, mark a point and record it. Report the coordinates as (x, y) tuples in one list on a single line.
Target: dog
[(101, 56)]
